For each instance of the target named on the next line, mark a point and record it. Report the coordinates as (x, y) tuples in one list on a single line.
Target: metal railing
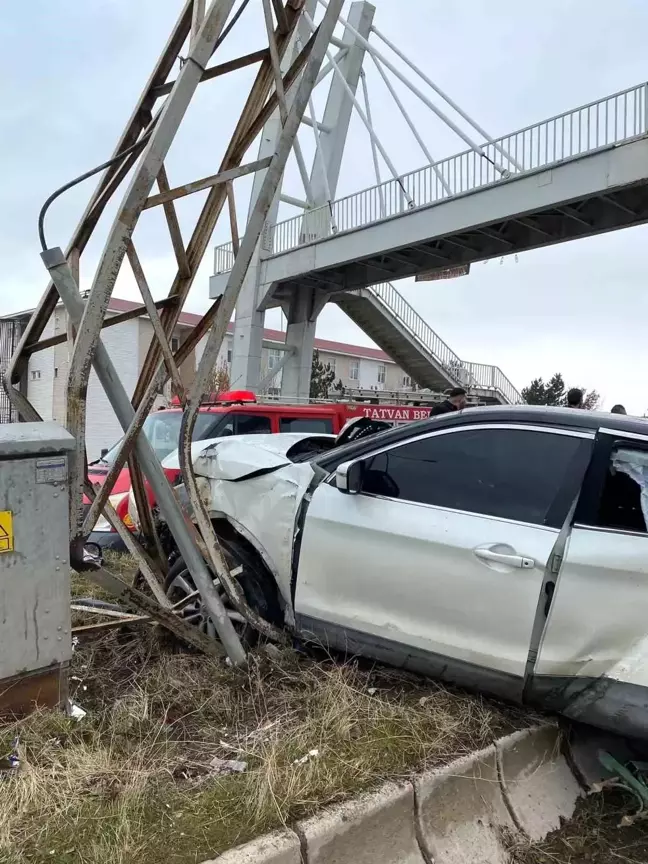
[(492, 378), (606, 122), (473, 376), (223, 258), (409, 318)]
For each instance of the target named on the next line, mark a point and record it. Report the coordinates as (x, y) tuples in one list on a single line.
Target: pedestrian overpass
[(577, 174)]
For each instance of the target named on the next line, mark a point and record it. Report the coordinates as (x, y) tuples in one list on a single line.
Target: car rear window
[(321, 425)]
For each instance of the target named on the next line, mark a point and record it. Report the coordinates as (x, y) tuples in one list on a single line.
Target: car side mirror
[(349, 476)]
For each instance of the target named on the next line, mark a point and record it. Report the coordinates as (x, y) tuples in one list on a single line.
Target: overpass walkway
[(574, 175)]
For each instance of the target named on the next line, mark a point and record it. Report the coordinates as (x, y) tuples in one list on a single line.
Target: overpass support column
[(249, 321), (302, 310), (305, 305)]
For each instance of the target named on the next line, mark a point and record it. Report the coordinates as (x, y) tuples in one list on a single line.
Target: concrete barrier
[(454, 815), (461, 811), (374, 828), (538, 785), (280, 847)]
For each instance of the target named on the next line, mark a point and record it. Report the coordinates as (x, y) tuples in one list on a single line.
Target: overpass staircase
[(397, 328)]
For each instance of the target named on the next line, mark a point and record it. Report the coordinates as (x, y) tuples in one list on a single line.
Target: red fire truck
[(241, 413)]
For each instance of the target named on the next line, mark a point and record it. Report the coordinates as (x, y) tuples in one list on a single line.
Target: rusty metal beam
[(134, 599), (34, 347), (147, 297), (206, 183), (256, 221), (221, 69), (231, 203), (280, 12), (197, 16), (172, 223), (250, 123)]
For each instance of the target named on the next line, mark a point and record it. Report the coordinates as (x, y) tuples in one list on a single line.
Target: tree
[(220, 379), (322, 378), (554, 392), (591, 400)]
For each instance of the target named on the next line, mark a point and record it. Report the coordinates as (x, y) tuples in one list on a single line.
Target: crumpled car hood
[(239, 456)]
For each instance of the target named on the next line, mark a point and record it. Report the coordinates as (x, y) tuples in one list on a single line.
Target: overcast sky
[(73, 71)]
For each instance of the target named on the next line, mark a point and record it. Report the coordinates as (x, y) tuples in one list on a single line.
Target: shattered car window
[(623, 505), (634, 464)]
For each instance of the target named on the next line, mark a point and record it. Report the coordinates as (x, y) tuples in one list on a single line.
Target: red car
[(235, 413)]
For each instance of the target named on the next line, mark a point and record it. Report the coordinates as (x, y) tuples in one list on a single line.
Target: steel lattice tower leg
[(140, 154)]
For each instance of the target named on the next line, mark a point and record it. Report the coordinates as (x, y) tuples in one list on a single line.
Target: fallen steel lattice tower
[(140, 153)]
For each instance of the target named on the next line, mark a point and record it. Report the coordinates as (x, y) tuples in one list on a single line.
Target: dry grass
[(81, 585), (121, 565), (131, 781), (592, 837)]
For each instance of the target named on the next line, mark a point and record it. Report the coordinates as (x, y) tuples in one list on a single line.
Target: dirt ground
[(593, 836)]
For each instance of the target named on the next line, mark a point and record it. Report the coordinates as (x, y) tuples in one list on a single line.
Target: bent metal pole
[(62, 277), (217, 333)]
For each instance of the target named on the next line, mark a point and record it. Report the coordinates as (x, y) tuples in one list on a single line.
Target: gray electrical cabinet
[(35, 640)]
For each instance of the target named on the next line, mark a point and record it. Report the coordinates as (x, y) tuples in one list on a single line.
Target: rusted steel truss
[(140, 156)]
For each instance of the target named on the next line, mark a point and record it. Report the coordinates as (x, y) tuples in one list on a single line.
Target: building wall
[(102, 427), (40, 376), (61, 369), (224, 355), (187, 369)]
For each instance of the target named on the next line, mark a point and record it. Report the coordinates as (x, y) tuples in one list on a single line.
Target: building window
[(274, 358), (56, 371), (354, 370), (175, 343), (381, 374), (35, 375), (407, 381), (229, 355)]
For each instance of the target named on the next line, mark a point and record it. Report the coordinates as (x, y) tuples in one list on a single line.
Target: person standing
[(575, 398), (455, 402)]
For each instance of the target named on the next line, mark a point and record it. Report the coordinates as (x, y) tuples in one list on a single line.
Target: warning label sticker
[(6, 531)]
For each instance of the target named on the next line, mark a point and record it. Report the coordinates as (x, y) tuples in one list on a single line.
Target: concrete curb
[(280, 847), (372, 828), (536, 780), (521, 784), (461, 809)]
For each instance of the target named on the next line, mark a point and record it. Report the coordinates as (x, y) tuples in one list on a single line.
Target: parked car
[(232, 413), (504, 549)]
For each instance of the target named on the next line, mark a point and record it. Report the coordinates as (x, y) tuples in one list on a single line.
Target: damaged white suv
[(504, 549)]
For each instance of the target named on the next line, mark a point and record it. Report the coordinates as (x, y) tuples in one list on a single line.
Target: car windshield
[(163, 432)]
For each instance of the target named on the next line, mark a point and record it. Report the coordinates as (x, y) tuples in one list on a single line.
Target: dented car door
[(593, 659), (437, 562)]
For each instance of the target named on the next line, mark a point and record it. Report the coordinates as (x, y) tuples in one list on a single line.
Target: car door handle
[(518, 561)]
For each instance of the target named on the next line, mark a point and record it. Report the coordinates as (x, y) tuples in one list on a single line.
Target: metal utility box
[(35, 641)]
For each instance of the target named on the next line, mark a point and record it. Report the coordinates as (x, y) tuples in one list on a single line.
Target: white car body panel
[(263, 508), (408, 572), (597, 621), (266, 508), (235, 456)]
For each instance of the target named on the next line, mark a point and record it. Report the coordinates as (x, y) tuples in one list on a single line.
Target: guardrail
[(608, 121)]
